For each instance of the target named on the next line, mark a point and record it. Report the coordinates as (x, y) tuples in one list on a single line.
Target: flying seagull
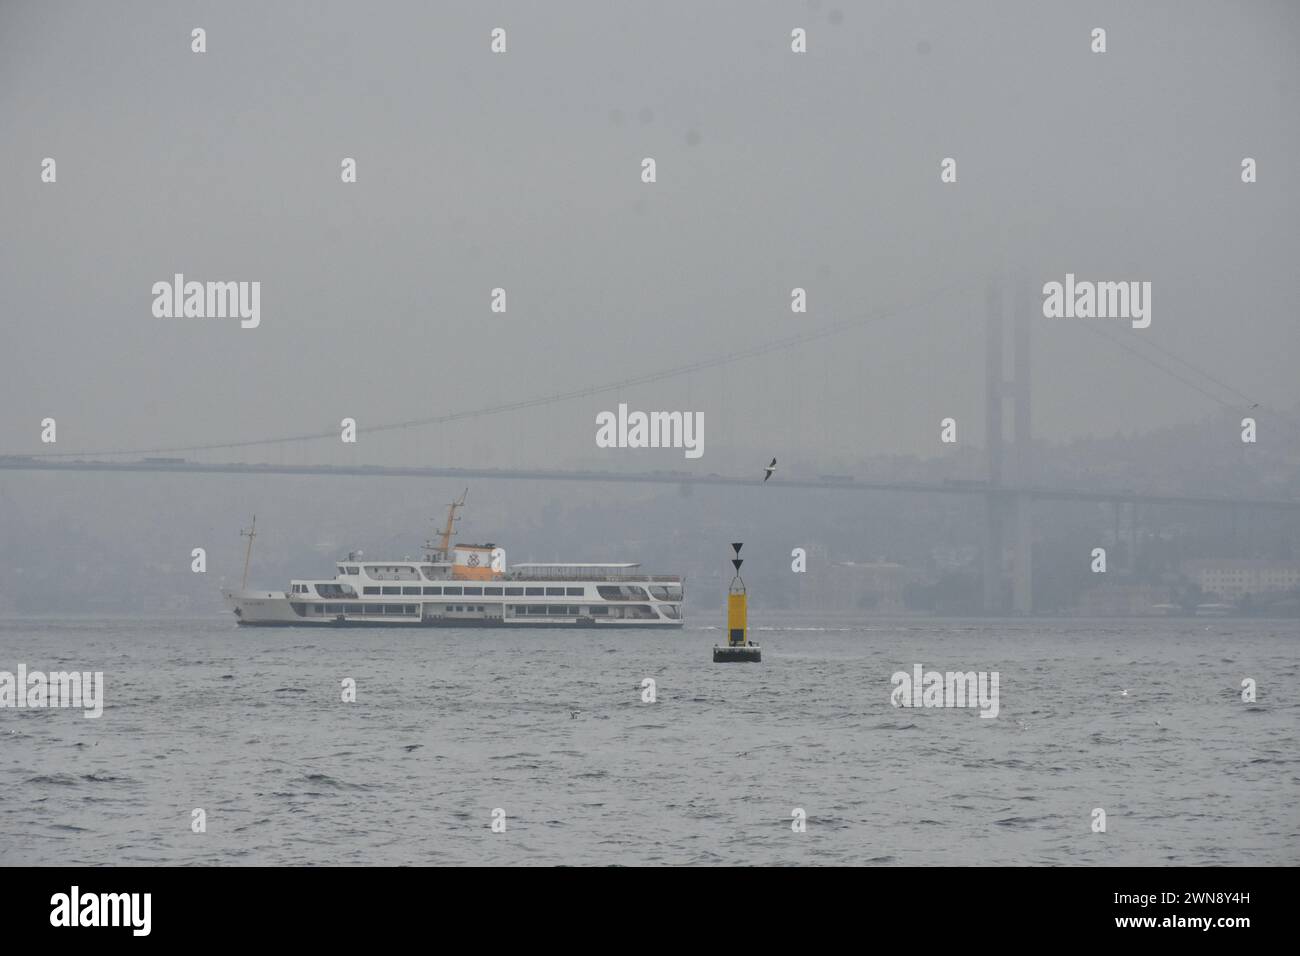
[(769, 469)]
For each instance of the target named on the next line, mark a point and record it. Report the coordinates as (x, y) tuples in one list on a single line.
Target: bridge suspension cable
[(716, 361), (1097, 330)]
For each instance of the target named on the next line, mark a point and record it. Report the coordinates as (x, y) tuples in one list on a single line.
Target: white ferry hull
[(260, 607), (275, 609)]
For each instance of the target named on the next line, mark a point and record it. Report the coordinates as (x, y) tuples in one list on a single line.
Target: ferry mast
[(442, 551), (250, 534)]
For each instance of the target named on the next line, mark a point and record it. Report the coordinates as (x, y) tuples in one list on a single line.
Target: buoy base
[(737, 652)]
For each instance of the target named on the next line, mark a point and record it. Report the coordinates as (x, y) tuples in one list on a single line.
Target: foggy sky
[(522, 171)]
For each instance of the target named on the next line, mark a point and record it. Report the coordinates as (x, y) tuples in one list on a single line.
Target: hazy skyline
[(522, 171)]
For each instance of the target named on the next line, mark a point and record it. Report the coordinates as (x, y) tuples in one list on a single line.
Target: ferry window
[(340, 569), (353, 570), (554, 592), (410, 590), (473, 592), (374, 609), (371, 590), (599, 610), (534, 591), (392, 590), (354, 608), (392, 609), (451, 590), (574, 592), (558, 609), (514, 592), (491, 591), (433, 590), (626, 592), (537, 609), (319, 608), (410, 609)]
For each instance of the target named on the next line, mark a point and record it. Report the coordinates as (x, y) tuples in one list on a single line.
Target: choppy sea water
[(550, 727)]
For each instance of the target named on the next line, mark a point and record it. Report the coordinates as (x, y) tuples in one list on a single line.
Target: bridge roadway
[(20, 463)]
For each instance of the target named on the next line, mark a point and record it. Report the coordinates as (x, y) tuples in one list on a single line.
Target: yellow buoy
[(736, 601), (737, 647)]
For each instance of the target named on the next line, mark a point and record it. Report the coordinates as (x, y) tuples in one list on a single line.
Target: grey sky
[(522, 171)]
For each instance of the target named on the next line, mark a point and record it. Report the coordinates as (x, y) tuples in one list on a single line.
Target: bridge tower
[(998, 505)]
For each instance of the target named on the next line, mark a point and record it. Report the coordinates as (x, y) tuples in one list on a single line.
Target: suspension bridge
[(1008, 491)]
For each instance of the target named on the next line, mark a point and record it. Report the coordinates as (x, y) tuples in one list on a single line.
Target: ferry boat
[(464, 585)]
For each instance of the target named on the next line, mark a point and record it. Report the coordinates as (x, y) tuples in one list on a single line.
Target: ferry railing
[(537, 576), (533, 576)]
